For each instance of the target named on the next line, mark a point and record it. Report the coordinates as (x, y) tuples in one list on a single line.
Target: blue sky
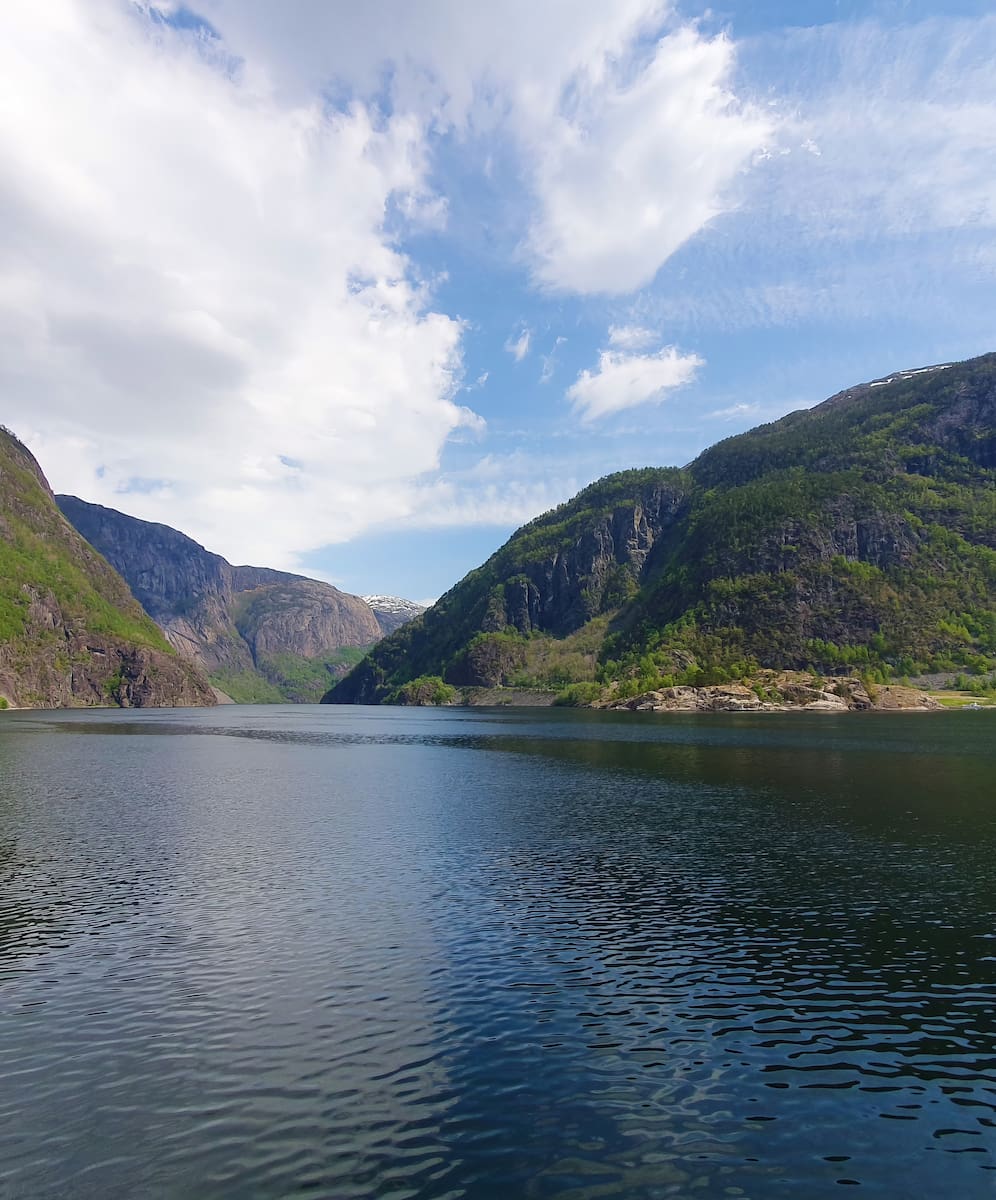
[(358, 292)]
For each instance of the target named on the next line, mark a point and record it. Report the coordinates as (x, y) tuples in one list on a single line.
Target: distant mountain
[(858, 536), (71, 633), (392, 612), (262, 635)]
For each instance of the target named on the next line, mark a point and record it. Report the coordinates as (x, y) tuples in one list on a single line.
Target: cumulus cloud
[(623, 380), (203, 317), (640, 159), (629, 135)]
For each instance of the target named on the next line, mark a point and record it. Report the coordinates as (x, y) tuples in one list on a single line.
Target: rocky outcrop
[(784, 692), (235, 621), (71, 633), (559, 591), (302, 617)]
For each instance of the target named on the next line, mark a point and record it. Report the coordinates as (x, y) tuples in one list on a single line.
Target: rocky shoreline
[(780, 692)]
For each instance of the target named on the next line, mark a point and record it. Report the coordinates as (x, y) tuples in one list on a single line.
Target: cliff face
[(261, 634), (858, 533), (71, 633), (302, 617), (557, 588), (552, 577)]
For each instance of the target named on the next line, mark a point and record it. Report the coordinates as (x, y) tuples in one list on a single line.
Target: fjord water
[(464, 953)]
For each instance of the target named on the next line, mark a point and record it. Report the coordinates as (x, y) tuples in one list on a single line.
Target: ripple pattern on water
[(439, 955)]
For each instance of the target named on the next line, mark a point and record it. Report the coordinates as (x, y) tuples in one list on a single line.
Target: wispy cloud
[(550, 361), (518, 347), (631, 337), (735, 412)]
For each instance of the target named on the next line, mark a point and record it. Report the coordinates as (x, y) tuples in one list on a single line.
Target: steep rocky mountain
[(260, 634), (859, 535), (71, 633), (392, 611)]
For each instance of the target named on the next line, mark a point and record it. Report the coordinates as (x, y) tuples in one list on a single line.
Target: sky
[(355, 290)]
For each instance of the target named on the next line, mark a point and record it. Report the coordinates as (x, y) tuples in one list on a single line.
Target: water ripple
[(445, 955)]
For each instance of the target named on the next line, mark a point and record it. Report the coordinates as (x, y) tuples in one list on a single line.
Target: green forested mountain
[(857, 535), (71, 633)]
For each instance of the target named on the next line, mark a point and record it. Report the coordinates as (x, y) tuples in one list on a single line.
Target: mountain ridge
[(71, 633), (261, 634), (856, 534)]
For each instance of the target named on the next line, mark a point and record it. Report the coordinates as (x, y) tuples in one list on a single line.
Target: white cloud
[(497, 489), (625, 380), (642, 158), (735, 412), (629, 136), (203, 318), (631, 337), (922, 158), (550, 361), (519, 347)]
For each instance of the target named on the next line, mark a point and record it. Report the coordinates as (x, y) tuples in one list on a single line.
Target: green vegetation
[(578, 695), (422, 692), (42, 559), (964, 699), (857, 537), (504, 599), (305, 680), (287, 678), (70, 630), (246, 687), (4, 703)]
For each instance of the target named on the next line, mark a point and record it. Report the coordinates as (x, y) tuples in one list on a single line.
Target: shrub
[(578, 695)]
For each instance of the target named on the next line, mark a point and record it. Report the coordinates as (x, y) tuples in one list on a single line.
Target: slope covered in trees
[(859, 535)]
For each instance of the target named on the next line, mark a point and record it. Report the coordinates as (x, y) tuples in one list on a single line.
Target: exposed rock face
[(72, 633), (302, 617), (856, 535), (392, 611), (556, 573), (573, 582), (230, 619), (793, 692)]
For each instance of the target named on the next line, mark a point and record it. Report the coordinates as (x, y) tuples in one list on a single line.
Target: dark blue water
[(404, 953)]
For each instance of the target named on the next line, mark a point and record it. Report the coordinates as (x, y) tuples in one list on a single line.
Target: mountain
[(858, 536), (71, 633), (392, 612), (261, 635)]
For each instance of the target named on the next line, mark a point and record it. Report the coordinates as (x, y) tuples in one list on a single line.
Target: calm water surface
[(399, 953)]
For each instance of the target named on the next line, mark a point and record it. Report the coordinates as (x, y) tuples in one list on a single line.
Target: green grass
[(306, 680), (43, 558), (962, 699), (246, 687), (287, 678)]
